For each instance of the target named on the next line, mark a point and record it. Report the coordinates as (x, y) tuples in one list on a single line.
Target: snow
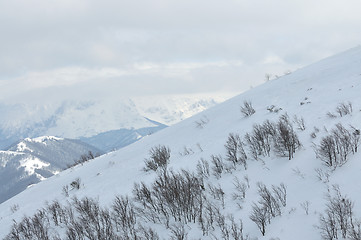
[(324, 85), (44, 139), (21, 147), (30, 164)]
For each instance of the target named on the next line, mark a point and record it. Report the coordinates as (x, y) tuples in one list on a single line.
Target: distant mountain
[(117, 118), (115, 139), (173, 109), (30, 161)]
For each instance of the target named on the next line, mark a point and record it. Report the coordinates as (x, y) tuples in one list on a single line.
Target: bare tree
[(355, 232), (305, 206), (124, 215), (159, 158), (338, 216), (286, 141), (280, 193), (260, 217), (92, 222), (344, 108), (269, 201), (236, 229), (217, 165), (268, 206), (247, 109), (235, 150), (240, 194), (355, 139), (260, 139), (327, 151), (172, 195), (300, 122), (203, 169), (147, 233), (201, 122), (335, 148), (217, 193), (84, 158), (178, 232)]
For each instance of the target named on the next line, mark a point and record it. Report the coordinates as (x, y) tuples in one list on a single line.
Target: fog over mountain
[(87, 116)]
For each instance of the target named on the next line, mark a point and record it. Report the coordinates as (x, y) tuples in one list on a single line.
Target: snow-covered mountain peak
[(44, 139), (22, 145)]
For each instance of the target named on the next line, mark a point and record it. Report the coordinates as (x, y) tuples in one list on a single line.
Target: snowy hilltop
[(30, 161), (280, 161)]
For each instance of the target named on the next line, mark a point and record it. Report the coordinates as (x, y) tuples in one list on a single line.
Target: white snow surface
[(31, 164), (310, 93), (44, 139)]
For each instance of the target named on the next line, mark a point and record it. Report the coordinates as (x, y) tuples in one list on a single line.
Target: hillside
[(294, 184), (30, 161)]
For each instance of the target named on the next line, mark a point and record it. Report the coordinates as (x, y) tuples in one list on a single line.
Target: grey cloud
[(42, 36)]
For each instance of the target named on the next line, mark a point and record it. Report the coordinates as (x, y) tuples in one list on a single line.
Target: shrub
[(269, 205), (235, 150), (75, 184), (344, 108), (186, 151), (260, 139), (203, 168), (247, 109), (338, 216), (159, 158), (65, 191), (335, 148), (218, 165), (84, 158), (172, 195), (201, 122), (124, 216), (300, 122), (286, 141), (178, 232)]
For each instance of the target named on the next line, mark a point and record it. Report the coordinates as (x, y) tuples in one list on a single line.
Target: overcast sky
[(138, 47)]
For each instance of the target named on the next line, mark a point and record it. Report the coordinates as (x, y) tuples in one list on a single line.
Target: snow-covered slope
[(310, 93), (32, 160), (88, 117)]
